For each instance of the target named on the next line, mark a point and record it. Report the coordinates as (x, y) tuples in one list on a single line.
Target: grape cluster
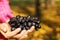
[(24, 22)]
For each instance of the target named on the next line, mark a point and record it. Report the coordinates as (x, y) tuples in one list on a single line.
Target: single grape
[(22, 27), (27, 28), (33, 23), (25, 23), (29, 24), (18, 16), (12, 29), (22, 21), (37, 21), (39, 27), (29, 19), (21, 17), (18, 24), (36, 18), (36, 27), (12, 25), (12, 19)]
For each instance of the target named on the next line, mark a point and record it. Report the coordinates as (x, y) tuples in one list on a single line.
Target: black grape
[(25, 23)]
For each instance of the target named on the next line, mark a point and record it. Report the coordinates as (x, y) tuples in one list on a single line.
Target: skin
[(24, 33), (13, 34)]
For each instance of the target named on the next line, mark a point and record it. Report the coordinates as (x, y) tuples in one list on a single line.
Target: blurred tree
[(38, 8), (46, 6)]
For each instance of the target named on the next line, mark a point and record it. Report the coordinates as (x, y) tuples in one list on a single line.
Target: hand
[(8, 33), (23, 34), (4, 26)]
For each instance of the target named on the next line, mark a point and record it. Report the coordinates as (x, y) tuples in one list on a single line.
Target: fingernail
[(19, 28), (28, 30), (32, 26)]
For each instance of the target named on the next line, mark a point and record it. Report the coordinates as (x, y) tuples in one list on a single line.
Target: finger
[(3, 28), (8, 27), (25, 33), (19, 35), (31, 29), (25, 36), (3, 34), (10, 34), (14, 32)]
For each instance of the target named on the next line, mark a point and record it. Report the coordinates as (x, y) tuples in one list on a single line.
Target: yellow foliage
[(21, 14), (36, 34), (42, 31), (46, 28), (58, 29), (58, 36)]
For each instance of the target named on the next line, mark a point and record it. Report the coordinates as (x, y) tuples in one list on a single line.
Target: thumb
[(2, 27)]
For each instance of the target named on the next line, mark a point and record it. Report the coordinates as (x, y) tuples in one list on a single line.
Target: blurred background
[(47, 10)]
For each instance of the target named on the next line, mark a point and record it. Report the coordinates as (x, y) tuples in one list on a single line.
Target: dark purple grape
[(29, 24), (21, 17), (39, 27), (33, 23), (22, 21), (22, 27), (37, 21), (18, 24), (12, 25), (36, 27), (25, 24), (36, 18), (27, 28), (12, 29), (13, 19), (18, 16), (29, 19)]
